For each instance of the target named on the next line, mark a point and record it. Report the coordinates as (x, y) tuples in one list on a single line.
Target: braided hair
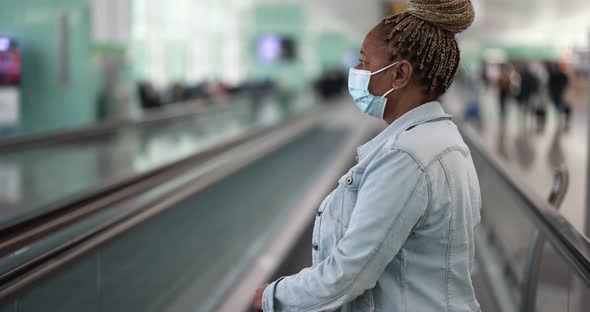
[(425, 36)]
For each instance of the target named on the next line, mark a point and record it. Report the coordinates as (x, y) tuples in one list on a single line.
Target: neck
[(402, 105)]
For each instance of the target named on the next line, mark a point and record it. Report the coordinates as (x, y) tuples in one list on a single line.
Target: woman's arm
[(392, 198)]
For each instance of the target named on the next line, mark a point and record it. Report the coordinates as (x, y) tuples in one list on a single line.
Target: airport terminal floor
[(192, 210)]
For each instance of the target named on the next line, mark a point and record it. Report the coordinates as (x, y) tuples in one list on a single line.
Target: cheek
[(378, 86)]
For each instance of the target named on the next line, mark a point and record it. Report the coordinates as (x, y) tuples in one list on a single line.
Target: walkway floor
[(533, 152)]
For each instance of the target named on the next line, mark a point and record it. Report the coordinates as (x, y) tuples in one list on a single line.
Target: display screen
[(273, 48), (10, 62)]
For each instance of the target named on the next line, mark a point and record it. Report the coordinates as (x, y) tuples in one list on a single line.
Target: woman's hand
[(257, 300)]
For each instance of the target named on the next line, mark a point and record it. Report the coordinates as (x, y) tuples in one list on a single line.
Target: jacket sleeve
[(392, 198)]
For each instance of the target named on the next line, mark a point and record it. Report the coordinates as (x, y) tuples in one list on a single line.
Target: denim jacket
[(397, 234)]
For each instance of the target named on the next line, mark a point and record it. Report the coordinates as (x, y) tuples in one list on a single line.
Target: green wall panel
[(331, 49), (47, 103), (282, 19)]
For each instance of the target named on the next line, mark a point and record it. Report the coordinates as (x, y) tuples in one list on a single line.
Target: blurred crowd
[(532, 85), (152, 98), (330, 84)]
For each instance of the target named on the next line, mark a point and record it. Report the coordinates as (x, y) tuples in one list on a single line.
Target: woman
[(397, 232)]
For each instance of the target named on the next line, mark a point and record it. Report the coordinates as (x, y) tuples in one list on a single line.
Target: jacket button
[(315, 246), (349, 180), (319, 213)]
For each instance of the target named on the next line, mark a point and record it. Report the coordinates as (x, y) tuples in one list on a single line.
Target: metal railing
[(535, 250), (544, 234)]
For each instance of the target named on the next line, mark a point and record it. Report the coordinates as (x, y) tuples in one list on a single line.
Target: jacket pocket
[(344, 203)]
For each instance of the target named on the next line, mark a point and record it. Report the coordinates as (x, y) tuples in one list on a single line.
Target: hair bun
[(454, 16)]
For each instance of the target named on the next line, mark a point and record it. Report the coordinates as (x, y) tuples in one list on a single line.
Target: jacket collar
[(419, 115)]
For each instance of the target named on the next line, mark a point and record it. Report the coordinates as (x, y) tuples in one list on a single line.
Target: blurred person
[(398, 231), (484, 74), (557, 85), (178, 93), (149, 96), (331, 83), (540, 72), (471, 95), (529, 87), (537, 102), (504, 88)]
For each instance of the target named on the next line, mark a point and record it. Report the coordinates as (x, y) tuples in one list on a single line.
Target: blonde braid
[(425, 34)]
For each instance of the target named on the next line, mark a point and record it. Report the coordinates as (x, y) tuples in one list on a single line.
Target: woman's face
[(375, 55)]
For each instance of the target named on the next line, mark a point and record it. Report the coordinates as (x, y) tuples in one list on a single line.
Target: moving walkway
[(201, 231)]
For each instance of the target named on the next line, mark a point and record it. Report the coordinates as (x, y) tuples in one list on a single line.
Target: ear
[(402, 74)]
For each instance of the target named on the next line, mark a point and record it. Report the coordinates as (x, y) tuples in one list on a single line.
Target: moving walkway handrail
[(180, 110), (570, 244), (535, 251), (273, 138)]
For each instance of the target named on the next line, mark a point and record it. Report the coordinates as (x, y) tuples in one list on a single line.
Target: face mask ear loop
[(388, 92), (384, 68), (385, 100)]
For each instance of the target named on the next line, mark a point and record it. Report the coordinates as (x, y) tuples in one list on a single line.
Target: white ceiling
[(560, 22), (354, 17), (564, 23)]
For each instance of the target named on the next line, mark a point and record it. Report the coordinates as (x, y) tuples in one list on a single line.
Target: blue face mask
[(358, 87)]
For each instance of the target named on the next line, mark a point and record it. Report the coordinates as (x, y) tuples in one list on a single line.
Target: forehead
[(374, 43)]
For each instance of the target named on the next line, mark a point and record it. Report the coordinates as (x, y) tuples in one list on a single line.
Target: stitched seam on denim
[(273, 292), (403, 273), (445, 153), (392, 227), (440, 155), (362, 171), (332, 213), (403, 128), (423, 121), (429, 204), (417, 123), (317, 255), (414, 158), (341, 208), (371, 301), (449, 236)]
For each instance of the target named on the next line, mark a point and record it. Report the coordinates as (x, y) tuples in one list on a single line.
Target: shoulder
[(429, 141)]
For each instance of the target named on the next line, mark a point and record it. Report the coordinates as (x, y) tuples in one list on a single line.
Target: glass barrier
[(508, 230)]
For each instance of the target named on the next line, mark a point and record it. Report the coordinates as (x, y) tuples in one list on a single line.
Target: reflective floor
[(40, 178), (182, 258), (533, 152)]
